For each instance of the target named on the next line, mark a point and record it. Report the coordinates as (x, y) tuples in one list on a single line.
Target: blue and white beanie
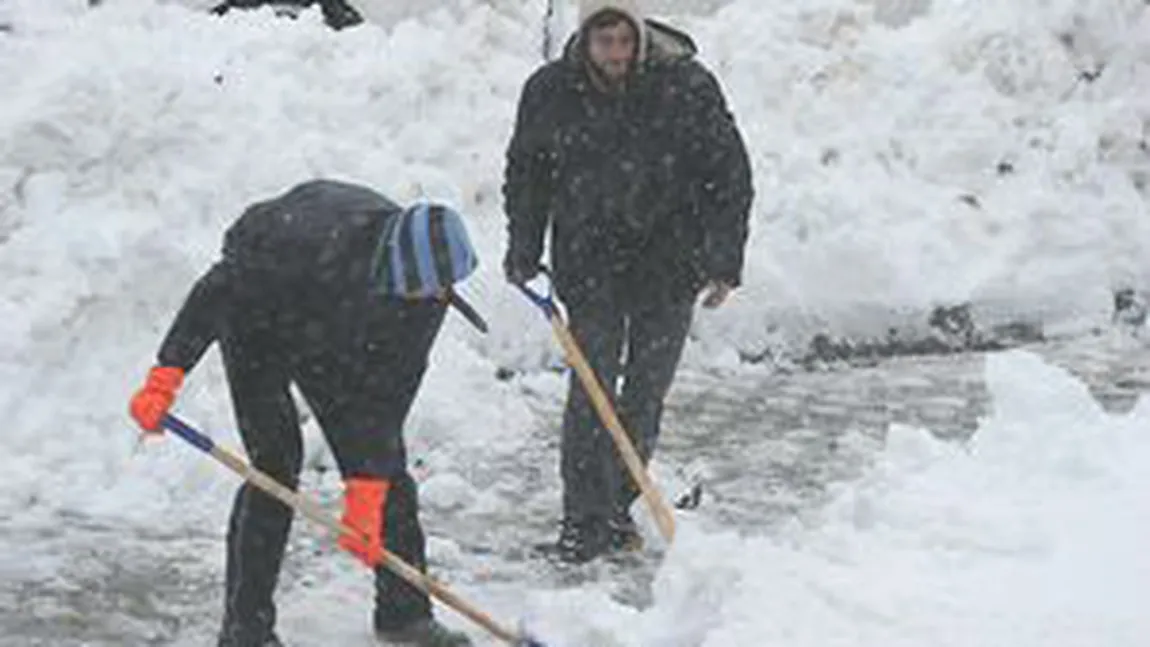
[(424, 250)]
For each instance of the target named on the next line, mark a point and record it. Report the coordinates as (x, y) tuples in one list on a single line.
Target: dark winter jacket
[(300, 263), (647, 192)]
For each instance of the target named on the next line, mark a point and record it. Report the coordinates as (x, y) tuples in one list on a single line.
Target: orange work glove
[(153, 400), (364, 500)]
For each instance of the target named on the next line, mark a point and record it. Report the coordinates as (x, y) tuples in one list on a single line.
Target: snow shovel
[(313, 511), (664, 517)]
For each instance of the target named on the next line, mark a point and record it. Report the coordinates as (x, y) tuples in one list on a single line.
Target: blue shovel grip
[(185, 431), (546, 303)]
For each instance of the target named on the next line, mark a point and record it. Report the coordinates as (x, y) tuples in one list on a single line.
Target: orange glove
[(364, 500), (151, 402)]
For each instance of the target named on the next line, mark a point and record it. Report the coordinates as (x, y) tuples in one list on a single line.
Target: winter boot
[(579, 541), (426, 632), (236, 639), (625, 535)]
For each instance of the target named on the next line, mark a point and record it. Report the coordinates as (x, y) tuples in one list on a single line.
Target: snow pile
[(134, 136), (1032, 536), (965, 156), (984, 152)]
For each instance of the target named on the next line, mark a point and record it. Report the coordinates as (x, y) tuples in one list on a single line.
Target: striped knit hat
[(424, 250)]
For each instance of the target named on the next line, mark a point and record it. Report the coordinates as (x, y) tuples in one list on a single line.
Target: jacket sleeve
[(724, 183), (197, 323), (529, 174)]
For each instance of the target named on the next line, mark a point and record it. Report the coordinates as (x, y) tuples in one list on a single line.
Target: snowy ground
[(818, 527), (907, 154)]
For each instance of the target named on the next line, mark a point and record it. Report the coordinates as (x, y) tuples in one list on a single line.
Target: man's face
[(612, 49)]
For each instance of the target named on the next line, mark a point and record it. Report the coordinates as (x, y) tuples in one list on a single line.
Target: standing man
[(337, 289), (626, 151)]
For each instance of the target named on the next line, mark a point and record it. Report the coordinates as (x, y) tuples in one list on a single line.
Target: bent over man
[(337, 289)]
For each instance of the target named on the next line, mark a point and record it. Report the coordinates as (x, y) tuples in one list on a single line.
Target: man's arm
[(528, 179), (723, 173), (196, 324), (195, 327)]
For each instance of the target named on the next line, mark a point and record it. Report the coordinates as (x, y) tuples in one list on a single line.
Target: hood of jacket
[(658, 42)]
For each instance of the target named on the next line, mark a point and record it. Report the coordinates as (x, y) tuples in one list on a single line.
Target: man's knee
[(283, 462)]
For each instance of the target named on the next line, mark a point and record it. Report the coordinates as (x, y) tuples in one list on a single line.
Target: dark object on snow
[(1016, 333), (690, 499), (1093, 74), (970, 200), (954, 321), (337, 14), (955, 331), (1129, 310)]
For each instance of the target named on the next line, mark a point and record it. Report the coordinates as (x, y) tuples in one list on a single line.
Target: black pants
[(596, 483), (360, 382)]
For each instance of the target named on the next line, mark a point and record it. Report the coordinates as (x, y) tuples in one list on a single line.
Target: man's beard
[(611, 76), (615, 71)]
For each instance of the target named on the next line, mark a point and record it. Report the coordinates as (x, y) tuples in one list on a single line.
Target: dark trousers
[(596, 483), (360, 390)]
